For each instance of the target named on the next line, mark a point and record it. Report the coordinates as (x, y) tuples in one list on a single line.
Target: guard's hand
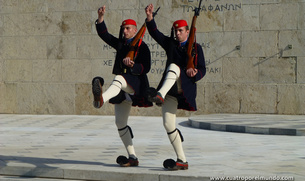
[(128, 62), (101, 13), (149, 12), (191, 72)]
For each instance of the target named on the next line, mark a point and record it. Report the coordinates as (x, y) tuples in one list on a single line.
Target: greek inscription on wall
[(211, 5), (158, 55), (211, 70)]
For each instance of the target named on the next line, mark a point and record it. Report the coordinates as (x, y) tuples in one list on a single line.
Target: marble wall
[(254, 50)]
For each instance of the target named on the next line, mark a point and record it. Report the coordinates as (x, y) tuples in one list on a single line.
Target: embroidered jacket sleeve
[(105, 35), (159, 37)]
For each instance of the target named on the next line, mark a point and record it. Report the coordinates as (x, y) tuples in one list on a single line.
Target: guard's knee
[(120, 81), (179, 132), (127, 128), (174, 68)]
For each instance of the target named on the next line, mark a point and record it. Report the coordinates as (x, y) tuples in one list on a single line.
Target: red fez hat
[(129, 22), (179, 23)]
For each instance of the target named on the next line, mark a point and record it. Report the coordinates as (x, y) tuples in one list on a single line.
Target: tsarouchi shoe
[(127, 162), (171, 164)]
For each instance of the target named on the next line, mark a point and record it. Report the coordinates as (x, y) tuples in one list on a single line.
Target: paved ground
[(51, 147), (252, 123)]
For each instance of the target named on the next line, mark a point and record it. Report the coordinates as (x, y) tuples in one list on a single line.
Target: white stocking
[(172, 75), (169, 110), (121, 117)]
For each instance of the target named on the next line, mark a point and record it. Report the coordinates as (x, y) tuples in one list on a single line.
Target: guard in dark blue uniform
[(178, 88), (130, 81)]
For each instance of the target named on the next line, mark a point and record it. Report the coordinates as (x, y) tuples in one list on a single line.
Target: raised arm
[(102, 29)]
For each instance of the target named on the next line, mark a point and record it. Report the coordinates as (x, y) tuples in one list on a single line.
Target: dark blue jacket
[(177, 54)]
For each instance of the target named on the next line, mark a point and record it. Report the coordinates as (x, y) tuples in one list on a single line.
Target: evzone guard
[(132, 63), (177, 89)]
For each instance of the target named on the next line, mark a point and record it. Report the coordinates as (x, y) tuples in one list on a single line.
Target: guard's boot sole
[(97, 92)]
